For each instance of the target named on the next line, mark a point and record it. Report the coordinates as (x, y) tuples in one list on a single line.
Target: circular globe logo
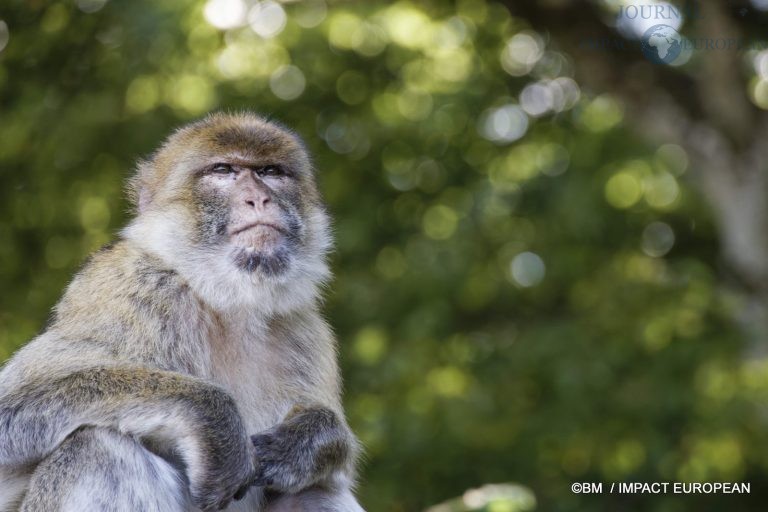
[(661, 44)]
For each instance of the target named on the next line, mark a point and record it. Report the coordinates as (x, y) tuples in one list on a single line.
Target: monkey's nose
[(261, 201)]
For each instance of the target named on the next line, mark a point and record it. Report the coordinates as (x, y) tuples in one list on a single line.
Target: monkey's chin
[(272, 262), (263, 249)]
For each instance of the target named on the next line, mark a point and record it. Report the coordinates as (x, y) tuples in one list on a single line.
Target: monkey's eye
[(223, 169), (271, 170)]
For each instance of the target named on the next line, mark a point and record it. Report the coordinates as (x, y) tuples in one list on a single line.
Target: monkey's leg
[(315, 499), (97, 469)]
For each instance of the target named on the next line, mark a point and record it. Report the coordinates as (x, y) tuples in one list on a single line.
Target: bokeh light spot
[(527, 269), (658, 239), (192, 94), (623, 189), (90, 6), (287, 83), (408, 26), (758, 92), (601, 114), (760, 63), (448, 381), (504, 124), (225, 14), (521, 53), (414, 105), (552, 159), (536, 99), (55, 19), (309, 13), (370, 345), (94, 214), (345, 30), (440, 222), (672, 158), (142, 95), (661, 191), (5, 35), (496, 498), (267, 19), (391, 263)]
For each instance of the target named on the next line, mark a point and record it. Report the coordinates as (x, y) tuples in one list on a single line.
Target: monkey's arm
[(172, 413), (312, 446)]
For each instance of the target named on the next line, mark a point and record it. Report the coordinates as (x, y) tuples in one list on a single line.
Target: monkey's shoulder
[(121, 282), (122, 266)]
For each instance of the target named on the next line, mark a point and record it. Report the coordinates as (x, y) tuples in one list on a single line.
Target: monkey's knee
[(97, 469), (316, 500)]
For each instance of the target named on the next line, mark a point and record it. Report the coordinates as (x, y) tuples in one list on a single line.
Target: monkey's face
[(254, 193), (254, 206), (235, 190)]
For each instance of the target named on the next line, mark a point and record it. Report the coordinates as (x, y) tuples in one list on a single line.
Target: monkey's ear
[(138, 191)]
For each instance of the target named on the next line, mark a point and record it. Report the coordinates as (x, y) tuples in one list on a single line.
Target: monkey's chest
[(257, 378)]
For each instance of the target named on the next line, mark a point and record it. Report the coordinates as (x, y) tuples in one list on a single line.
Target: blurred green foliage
[(524, 292)]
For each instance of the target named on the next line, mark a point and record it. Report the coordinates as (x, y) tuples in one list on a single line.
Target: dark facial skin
[(253, 207)]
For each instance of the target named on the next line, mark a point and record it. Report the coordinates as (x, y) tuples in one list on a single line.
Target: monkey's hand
[(220, 465), (307, 448)]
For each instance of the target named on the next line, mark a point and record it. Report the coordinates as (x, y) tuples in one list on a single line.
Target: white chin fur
[(216, 278)]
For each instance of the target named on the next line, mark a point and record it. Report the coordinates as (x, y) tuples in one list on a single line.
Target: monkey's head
[(231, 203)]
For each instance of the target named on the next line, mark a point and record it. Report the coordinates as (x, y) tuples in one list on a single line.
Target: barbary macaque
[(188, 366)]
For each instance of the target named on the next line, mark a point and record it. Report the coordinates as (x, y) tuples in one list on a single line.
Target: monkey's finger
[(240, 494), (263, 481), (261, 440)]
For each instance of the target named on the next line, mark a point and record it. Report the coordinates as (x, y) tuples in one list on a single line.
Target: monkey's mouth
[(255, 225), (259, 236)]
